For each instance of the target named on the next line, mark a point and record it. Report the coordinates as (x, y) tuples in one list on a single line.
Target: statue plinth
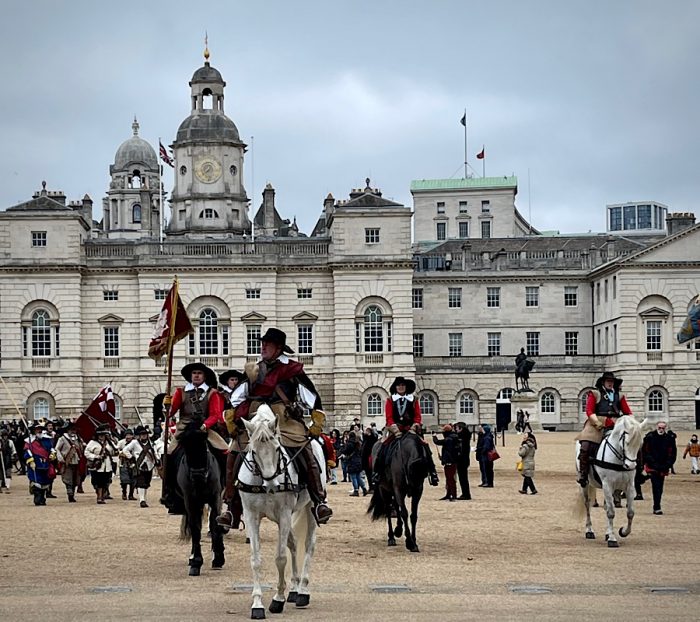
[(527, 402)]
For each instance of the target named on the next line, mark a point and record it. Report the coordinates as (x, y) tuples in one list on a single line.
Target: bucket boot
[(584, 462), (321, 511), (230, 518)]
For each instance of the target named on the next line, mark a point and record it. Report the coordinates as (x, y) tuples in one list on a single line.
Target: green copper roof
[(457, 184)]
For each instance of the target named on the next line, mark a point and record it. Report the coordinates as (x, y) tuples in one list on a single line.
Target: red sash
[(39, 450)]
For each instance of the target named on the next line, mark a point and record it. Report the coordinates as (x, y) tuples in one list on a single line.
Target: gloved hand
[(203, 428), (597, 423), (30, 462), (393, 429)]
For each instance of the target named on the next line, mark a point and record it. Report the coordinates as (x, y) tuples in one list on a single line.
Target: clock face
[(207, 169)]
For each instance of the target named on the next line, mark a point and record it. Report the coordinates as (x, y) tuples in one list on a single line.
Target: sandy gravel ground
[(59, 562)]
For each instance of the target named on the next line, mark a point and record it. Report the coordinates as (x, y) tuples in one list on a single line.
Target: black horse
[(199, 482), (404, 473)]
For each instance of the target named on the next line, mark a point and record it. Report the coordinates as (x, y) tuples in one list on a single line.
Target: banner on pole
[(165, 334)]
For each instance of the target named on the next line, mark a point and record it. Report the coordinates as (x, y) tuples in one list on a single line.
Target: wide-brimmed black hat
[(410, 385), (128, 431), (35, 425), (103, 428), (231, 373), (141, 429), (276, 336), (608, 375), (209, 374)]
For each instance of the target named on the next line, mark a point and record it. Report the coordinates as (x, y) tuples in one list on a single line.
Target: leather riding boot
[(378, 466), (321, 511), (583, 463), (433, 478), (231, 517)]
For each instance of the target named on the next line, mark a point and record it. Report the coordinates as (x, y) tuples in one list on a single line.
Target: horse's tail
[(579, 504), (300, 530), (377, 505), (185, 533)]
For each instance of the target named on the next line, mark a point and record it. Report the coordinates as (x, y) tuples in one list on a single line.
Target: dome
[(207, 74), (208, 127), (135, 150)]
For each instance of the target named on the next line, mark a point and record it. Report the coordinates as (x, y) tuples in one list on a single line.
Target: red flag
[(101, 410), (165, 334), (481, 155), (164, 155)]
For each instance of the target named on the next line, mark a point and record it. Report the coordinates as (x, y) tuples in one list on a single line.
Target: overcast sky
[(599, 100)]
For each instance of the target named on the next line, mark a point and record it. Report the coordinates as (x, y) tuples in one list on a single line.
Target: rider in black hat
[(603, 406), (198, 400), (282, 383)]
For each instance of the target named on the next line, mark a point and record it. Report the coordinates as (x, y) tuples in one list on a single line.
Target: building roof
[(208, 125), (464, 184), (135, 150), (207, 73)]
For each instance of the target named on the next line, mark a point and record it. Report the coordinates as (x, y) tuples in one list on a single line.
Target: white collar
[(228, 389), (396, 397), (190, 387), (282, 358)]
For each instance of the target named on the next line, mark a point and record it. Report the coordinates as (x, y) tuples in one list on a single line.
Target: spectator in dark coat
[(465, 438), (479, 452), (658, 453), (449, 457), (488, 444), (353, 456), (369, 438)]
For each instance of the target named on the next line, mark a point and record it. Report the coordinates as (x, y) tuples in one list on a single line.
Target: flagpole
[(466, 161), (167, 399), (483, 161), (162, 210)]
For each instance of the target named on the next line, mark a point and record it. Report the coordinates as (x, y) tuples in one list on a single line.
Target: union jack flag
[(164, 155)]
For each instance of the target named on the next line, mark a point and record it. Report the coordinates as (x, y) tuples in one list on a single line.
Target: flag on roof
[(482, 154), (164, 155), (463, 120)]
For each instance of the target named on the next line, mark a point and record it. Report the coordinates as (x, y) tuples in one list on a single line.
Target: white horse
[(615, 464), (269, 486)]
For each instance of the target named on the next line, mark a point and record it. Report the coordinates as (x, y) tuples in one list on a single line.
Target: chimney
[(269, 208), (678, 221), (86, 210), (328, 204)]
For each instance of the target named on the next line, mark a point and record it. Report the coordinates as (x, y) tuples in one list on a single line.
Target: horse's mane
[(633, 428), (262, 432)]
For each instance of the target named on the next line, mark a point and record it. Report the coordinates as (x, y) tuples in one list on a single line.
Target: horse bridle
[(283, 463), (622, 455)]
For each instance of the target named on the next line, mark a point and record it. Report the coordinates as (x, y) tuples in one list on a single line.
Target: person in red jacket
[(603, 407), (402, 414), (198, 400)]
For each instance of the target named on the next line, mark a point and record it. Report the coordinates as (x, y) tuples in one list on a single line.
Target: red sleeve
[(590, 404), (624, 406), (389, 412), (176, 403), (216, 410), (417, 415)]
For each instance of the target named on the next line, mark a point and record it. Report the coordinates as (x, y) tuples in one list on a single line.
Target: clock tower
[(208, 198)]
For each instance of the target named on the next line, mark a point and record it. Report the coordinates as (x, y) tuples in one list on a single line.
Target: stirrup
[(433, 479), (583, 482), (321, 513), (225, 519)]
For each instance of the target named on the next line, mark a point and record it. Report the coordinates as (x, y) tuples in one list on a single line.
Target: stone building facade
[(360, 300)]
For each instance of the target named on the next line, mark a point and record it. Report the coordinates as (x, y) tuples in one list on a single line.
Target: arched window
[(548, 403), (208, 332), (655, 401), (427, 404), (374, 404), (117, 407), (466, 405), (135, 180), (373, 329), (41, 409), (41, 333), (136, 213), (209, 213)]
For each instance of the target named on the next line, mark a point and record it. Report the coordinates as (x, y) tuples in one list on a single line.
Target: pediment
[(684, 247), (110, 318), (370, 200), (40, 203), (253, 316), (305, 316), (655, 312)]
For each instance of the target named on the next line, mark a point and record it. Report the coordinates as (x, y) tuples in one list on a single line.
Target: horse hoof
[(398, 531), (247, 540), (218, 564), (257, 613), (276, 606), (194, 571), (292, 597), (391, 542), (596, 504), (302, 600), (617, 504), (613, 544), (590, 535), (415, 549), (622, 533)]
